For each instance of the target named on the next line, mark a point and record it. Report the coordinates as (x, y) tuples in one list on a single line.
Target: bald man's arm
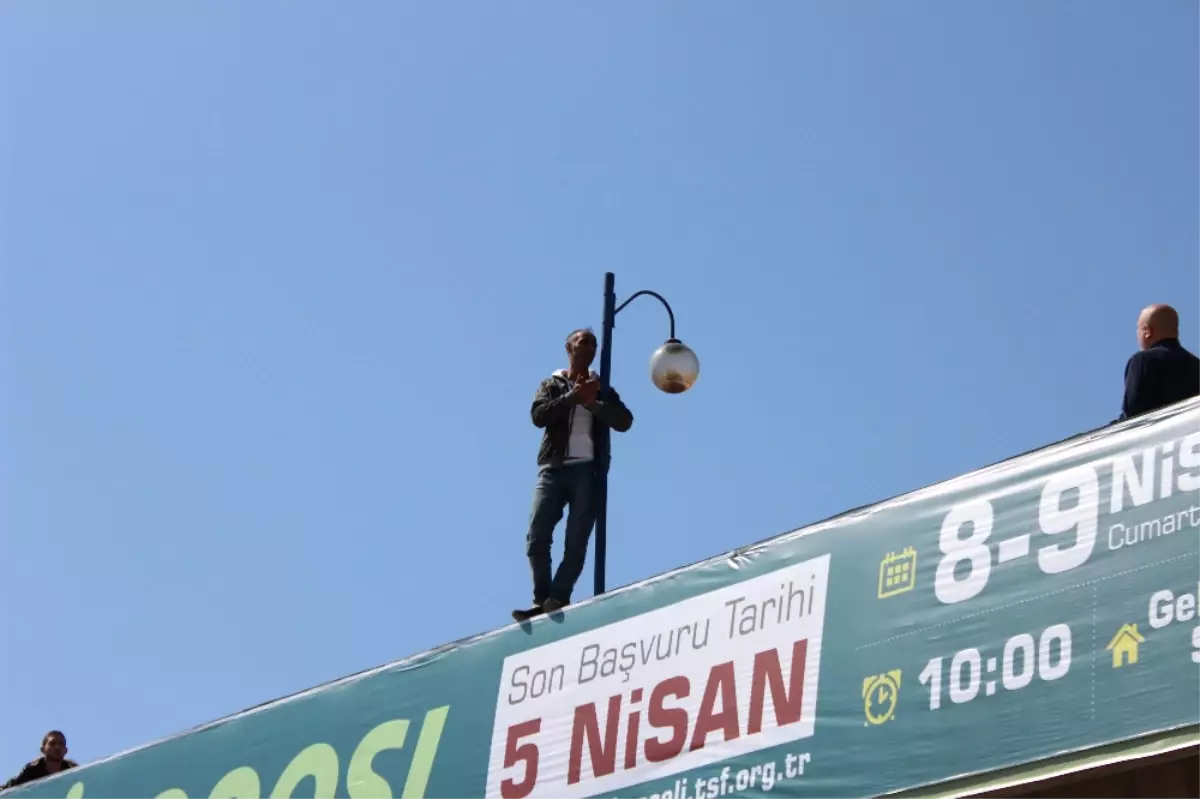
[(1135, 401)]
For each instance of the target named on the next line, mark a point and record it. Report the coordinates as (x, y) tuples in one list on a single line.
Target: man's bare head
[(54, 746), (1155, 323), (581, 349)]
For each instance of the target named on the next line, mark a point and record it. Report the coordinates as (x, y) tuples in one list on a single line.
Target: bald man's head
[(1155, 323)]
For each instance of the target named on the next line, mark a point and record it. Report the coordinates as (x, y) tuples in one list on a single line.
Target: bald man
[(1162, 372)]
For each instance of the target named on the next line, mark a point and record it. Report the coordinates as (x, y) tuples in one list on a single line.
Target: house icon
[(1124, 645)]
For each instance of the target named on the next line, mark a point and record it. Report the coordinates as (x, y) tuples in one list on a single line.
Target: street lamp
[(673, 368)]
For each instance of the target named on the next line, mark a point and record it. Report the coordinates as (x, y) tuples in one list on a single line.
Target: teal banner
[(1040, 606)]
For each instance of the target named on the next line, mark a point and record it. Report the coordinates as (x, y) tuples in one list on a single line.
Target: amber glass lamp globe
[(674, 367)]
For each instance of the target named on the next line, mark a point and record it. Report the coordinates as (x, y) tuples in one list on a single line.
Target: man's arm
[(1134, 401), (27, 775), (547, 409), (612, 411)]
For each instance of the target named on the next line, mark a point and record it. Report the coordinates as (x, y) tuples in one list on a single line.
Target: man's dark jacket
[(552, 406), (34, 770), (1160, 375)]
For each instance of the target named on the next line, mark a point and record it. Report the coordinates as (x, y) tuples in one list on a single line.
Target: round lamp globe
[(674, 367)]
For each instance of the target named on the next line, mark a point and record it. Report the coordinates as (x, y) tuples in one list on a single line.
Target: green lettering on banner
[(76, 791), (241, 783), (318, 761), (361, 780), (172, 793), (427, 746)]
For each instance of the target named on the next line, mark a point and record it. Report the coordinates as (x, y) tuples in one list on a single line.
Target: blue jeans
[(557, 487)]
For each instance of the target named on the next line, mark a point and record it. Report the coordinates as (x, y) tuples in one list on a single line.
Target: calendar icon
[(897, 573)]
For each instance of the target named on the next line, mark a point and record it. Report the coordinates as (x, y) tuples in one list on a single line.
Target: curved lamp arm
[(656, 296)]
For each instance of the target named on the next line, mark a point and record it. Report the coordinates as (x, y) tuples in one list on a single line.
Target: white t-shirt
[(579, 444)]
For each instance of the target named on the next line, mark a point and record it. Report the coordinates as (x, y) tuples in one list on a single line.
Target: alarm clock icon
[(880, 694)]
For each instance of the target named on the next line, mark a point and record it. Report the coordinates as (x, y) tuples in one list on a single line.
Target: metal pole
[(602, 457)]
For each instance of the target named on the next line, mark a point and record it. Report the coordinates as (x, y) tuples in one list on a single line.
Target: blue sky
[(278, 282)]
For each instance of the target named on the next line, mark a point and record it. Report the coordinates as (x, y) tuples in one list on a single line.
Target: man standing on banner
[(1162, 372), (576, 416)]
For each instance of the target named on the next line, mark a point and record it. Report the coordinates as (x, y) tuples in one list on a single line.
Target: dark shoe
[(526, 614), (552, 605)]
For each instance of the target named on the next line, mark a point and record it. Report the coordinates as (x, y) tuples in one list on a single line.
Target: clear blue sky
[(278, 282)]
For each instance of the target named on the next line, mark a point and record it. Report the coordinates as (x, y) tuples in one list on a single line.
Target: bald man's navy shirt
[(1158, 376)]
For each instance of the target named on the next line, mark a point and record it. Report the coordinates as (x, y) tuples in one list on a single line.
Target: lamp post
[(673, 368)]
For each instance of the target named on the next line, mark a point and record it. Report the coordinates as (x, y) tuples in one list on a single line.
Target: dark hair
[(46, 738), (587, 331)]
